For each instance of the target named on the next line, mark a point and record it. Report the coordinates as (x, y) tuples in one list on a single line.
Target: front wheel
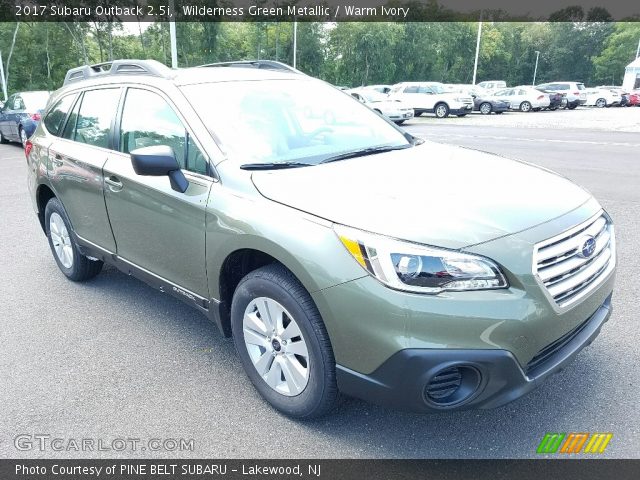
[(485, 108), (71, 262), (525, 107), (442, 110), (283, 344)]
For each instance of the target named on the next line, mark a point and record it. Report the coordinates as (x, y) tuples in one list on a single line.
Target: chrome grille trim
[(563, 273)]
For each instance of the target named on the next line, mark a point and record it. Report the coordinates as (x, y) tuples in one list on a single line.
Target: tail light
[(27, 148), (540, 97), (576, 93), (36, 117)]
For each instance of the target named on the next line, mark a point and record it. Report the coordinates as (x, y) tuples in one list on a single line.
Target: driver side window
[(148, 120)]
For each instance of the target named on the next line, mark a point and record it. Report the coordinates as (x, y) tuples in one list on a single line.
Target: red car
[(634, 98)]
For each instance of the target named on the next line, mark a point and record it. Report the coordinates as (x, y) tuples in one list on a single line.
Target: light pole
[(535, 70), (475, 64)]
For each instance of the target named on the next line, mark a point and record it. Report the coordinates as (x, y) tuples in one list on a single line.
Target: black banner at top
[(318, 10)]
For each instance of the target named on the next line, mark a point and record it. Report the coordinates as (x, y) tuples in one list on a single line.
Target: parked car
[(556, 99), (394, 110), (431, 97), (314, 244), (20, 115), (483, 101), (379, 88), (602, 97), (625, 97), (574, 94), (634, 99), (524, 98), (493, 84)]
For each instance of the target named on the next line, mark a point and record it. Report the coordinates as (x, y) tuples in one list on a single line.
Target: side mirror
[(157, 161)]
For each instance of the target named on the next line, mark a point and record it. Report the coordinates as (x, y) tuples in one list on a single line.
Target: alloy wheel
[(525, 107), (485, 109), (276, 346), (601, 103), (61, 240)]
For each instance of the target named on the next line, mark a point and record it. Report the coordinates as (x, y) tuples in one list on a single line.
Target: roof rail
[(118, 67), (261, 64)]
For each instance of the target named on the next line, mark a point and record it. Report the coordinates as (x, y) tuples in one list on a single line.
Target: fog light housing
[(452, 386)]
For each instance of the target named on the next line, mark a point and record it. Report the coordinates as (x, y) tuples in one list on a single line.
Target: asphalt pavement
[(113, 359)]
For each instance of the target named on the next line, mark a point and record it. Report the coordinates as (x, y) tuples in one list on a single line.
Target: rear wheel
[(71, 262), (525, 107), (485, 108), (442, 110), (2, 139), (601, 103), (282, 343)]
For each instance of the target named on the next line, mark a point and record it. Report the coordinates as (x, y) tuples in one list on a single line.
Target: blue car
[(20, 114)]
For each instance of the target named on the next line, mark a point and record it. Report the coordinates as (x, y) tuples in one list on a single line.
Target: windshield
[(373, 96), (277, 121)]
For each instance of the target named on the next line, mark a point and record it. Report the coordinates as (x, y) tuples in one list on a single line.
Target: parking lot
[(113, 358)]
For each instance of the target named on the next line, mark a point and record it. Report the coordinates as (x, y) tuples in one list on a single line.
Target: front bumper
[(401, 381)]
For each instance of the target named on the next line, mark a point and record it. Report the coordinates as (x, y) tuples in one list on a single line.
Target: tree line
[(37, 55)]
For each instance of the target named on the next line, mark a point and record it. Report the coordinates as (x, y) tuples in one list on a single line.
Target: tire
[(306, 395), (601, 103), (399, 122), (23, 137), (441, 110), (525, 107), (2, 139), (572, 107), (485, 108), (72, 263)]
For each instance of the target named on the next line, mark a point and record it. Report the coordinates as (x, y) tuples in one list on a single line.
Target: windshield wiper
[(364, 152), (273, 165)]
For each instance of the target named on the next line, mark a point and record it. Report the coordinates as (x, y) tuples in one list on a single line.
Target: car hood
[(432, 194)]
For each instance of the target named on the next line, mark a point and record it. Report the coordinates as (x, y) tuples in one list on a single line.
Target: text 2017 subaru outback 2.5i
[(339, 252)]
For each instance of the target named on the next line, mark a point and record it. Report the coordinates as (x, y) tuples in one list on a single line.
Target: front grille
[(562, 266), (548, 351)]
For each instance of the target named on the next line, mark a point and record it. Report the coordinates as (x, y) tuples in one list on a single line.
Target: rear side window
[(94, 118), (147, 120), (580, 86), (55, 118), (413, 89)]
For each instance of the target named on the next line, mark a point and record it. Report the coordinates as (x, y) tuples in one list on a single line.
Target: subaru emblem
[(587, 246)]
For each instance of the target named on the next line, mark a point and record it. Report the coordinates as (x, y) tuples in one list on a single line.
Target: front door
[(156, 228)]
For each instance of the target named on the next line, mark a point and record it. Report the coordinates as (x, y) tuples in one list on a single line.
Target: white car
[(524, 98), (394, 110), (602, 97), (432, 97)]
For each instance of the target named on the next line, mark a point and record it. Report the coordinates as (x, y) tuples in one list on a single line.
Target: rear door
[(76, 160), (156, 228)]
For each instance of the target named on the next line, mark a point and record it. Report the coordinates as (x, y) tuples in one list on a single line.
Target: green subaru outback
[(341, 253)]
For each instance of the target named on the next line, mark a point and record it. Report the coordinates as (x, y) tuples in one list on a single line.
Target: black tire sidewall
[(321, 362), (76, 272)]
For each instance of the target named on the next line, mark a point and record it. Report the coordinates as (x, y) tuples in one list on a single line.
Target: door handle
[(114, 183)]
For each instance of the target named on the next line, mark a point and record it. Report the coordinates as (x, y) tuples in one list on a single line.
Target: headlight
[(417, 268)]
